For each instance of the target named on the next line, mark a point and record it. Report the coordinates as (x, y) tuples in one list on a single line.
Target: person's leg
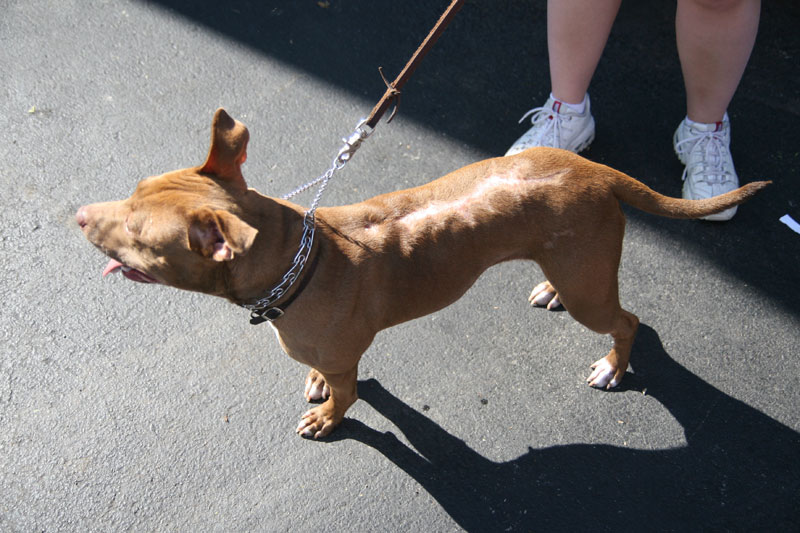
[(577, 31), (715, 38)]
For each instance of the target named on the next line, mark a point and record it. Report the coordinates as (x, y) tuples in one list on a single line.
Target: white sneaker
[(557, 125), (705, 150)]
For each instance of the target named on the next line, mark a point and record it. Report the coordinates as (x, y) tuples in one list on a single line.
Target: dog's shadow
[(739, 471)]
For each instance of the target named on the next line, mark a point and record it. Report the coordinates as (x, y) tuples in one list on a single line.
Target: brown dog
[(391, 258)]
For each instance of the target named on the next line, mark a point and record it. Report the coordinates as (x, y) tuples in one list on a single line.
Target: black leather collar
[(274, 312)]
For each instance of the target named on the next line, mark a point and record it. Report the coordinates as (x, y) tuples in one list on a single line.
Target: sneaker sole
[(585, 144)]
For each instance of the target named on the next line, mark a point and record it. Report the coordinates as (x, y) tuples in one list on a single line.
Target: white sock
[(690, 122), (579, 108)]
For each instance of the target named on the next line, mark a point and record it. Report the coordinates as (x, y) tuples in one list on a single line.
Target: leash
[(265, 310), (393, 89)]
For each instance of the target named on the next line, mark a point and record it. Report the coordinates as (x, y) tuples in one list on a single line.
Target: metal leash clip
[(352, 143)]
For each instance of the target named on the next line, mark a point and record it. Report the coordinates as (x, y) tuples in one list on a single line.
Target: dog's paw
[(544, 295), (319, 421), (316, 388), (605, 375)]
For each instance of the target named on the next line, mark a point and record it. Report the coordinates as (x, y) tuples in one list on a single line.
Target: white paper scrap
[(792, 223)]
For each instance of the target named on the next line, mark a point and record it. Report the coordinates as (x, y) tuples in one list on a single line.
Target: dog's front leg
[(321, 420)]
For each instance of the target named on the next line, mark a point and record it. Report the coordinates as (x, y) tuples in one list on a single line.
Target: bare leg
[(577, 31), (715, 39)]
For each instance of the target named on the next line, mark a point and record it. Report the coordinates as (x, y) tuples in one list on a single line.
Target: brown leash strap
[(393, 89)]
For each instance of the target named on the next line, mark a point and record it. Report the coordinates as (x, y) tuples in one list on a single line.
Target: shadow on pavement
[(738, 471)]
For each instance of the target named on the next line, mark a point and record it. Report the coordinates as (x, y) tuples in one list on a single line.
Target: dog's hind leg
[(595, 304), (586, 285), (608, 371)]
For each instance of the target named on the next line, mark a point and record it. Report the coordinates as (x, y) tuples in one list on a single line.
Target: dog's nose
[(80, 217)]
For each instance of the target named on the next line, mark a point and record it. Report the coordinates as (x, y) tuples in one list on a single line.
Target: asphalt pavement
[(126, 407)]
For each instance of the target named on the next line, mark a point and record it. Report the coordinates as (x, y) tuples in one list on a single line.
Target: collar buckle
[(267, 314)]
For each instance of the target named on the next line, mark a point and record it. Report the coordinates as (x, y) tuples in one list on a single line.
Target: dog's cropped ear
[(228, 149), (219, 235)]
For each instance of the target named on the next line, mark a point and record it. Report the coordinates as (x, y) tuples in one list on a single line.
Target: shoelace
[(554, 124), (712, 162)]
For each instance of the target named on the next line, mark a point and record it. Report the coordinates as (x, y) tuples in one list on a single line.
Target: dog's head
[(181, 228)]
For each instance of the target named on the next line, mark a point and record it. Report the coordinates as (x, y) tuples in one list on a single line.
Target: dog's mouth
[(132, 274)]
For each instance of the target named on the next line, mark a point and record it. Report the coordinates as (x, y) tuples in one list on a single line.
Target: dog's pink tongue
[(112, 266)]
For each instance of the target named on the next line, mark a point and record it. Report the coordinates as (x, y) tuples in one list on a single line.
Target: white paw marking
[(304, 427), (305, 431), (543, 296), (316, 389), (603, 375)]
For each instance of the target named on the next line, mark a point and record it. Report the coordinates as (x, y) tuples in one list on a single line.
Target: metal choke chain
[(351, 144)]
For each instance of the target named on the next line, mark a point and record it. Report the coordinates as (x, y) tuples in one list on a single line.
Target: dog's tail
[(638, 195)]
